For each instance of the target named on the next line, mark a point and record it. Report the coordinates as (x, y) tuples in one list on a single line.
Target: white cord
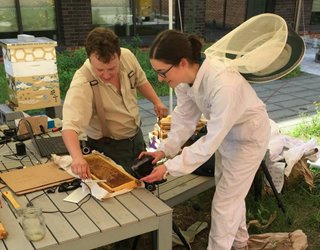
[(303, 22), (180, 17)]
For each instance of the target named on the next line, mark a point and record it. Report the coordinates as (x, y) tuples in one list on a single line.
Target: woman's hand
[(80, 167), (157, 155), (157, 174)]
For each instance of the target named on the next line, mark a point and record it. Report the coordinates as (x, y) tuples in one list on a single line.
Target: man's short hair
[(104, 43)]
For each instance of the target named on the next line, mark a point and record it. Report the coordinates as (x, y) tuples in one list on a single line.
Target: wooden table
[(179, 189), (94, 224)]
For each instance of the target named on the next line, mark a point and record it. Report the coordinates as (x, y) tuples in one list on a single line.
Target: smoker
[(143, 167)]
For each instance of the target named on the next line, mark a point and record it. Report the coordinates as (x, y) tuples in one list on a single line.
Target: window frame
[(53, 34)]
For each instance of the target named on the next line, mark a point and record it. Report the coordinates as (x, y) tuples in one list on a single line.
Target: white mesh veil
[(258, 46)]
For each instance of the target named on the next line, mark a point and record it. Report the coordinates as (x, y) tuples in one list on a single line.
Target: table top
[(92, 224)]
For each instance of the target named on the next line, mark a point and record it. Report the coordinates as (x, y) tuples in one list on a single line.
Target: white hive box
[(31, 72)]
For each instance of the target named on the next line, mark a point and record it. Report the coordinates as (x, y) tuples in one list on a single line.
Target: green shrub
[(161, 89), (68, 62), (309, 127), (134, 45), (294, 73), (3, 85)]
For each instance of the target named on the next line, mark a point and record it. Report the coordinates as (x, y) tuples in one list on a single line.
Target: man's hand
[(148, 92), (160, 109), (80, 167), (157, 174)]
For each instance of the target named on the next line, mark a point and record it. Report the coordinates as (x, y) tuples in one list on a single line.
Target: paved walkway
[(286, 99)]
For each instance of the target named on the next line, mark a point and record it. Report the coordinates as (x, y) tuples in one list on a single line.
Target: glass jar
[(33, 223)]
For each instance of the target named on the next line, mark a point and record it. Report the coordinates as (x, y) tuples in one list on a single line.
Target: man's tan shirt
[(121, 111)]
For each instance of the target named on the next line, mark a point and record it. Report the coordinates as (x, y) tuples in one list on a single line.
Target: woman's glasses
[(163, 73)]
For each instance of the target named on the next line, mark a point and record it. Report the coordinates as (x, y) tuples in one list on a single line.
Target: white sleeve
[(184, 119), (227, 105)]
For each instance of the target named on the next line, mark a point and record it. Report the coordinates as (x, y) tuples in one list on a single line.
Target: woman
[(238, 130)]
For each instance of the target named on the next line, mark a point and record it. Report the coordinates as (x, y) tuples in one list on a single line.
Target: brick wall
[(287, 10), (215, 12), (194, 16), (163, 7), (235, 13), (75, 20), (225, 13)]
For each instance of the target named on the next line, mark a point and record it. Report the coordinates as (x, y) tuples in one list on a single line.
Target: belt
[(109, 139)]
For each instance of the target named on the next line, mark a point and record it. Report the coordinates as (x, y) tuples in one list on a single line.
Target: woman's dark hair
[(170, 46), (104, 43)]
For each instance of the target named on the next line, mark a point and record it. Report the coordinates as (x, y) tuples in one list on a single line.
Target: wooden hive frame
[(103, 168)]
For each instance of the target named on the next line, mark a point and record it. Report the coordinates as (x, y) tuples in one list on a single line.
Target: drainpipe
[(224, 13), (297, 16), (19, 18)]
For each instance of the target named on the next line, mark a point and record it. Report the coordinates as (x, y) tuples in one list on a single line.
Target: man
[(118, 74)]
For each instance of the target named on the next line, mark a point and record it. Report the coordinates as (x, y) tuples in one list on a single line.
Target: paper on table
[(77, 195), (96, 191)]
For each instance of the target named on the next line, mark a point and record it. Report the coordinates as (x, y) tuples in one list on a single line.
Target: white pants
[(236, 163)]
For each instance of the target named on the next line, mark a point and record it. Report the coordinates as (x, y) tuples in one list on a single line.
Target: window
[(315, 14), (38, 15), (150, 16), (111, 12), (8, 18)]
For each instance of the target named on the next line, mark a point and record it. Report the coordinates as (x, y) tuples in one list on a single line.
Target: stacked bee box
[(163, 128), (31, 72)]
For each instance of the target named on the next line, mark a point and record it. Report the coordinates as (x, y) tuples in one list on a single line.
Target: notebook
[(47, 146)]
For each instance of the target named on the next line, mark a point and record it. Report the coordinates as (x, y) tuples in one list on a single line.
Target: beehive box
[(31, 73), (34, 92), (117, 179)]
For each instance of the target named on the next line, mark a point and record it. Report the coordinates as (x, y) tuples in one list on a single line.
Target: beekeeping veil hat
[(262, 49)]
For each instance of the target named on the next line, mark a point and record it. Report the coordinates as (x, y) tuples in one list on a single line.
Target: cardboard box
[(34, 92)]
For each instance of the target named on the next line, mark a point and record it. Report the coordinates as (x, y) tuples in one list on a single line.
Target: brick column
[(194, 16), (75, 20), (235, 13), (287, 9)]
